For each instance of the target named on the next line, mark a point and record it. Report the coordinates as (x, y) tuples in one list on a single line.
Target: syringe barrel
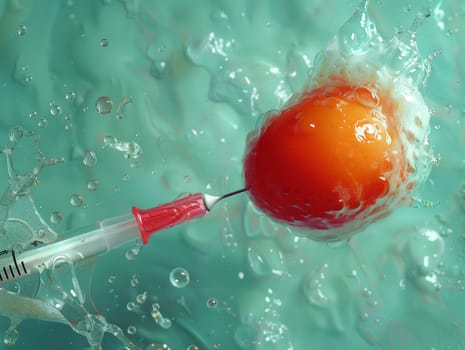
[(110, 234)]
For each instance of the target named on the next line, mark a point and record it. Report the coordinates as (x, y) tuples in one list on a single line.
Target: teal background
[(199, 75)]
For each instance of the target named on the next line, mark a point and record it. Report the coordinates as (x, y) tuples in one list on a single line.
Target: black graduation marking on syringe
[(5, 276)]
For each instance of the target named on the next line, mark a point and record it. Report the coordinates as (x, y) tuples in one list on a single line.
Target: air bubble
[(130, 306), (179, 277), (56, 217), (70, 96), (42, 123), (134, 281), (21, 29), (76, 200), (212, 303), (164, 323), (141, 298), (55, 109), (133, 252), (158, 317), (16, 134), (89, 159), (132, 330), (104, 105), (158, 68), (92, 184)]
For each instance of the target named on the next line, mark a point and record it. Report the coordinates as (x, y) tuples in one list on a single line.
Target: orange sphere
[(326, 160)]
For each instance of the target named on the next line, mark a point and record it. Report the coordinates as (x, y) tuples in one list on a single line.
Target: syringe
[(110, 234)]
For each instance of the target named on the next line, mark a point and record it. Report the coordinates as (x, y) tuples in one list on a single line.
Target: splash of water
[(18, 194)]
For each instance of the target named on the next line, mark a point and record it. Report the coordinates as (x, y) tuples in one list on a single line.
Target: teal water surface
[(133, 102)]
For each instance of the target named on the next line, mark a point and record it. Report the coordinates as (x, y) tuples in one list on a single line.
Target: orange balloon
[(326, 160)]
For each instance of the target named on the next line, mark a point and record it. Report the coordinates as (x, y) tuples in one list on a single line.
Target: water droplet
[(164, 322), (109, 141), (111, 279), (56, 217), (32, 115), (133, 150), (158, 68), (158, 317), (92, 184), (132, 253), (55, 110), (21, 29), (130, 306), (70, 96), (76, 200), (132, 330), (69, 126), (212, 303), (89, 159), (104, 105), (134, 281), (179, 277), (42, 123), (241, 275), (28, 79), (141, 298), (104, 42), (125, 100)]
